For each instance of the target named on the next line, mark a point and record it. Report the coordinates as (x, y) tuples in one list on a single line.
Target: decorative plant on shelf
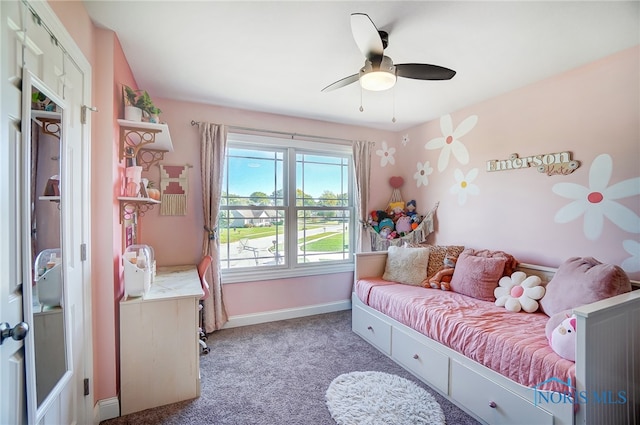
[(140, 99), (153, 112)]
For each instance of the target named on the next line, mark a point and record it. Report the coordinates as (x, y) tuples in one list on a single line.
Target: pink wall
[(103, 218), (178, 239), (109, 70), (589, 111)]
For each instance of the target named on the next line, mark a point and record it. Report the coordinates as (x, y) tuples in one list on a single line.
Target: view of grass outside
[(237, 233), (272, 219), (326, 242), (329, 241)]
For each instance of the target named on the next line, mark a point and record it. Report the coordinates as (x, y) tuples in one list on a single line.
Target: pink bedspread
[(512, 344)]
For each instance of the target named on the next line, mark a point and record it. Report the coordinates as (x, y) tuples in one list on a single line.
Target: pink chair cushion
[(204, 265)]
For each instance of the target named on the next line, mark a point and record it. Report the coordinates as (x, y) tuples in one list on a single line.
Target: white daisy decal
[(450, 142), (405, 140), (463, 186), (422, 174), (631, 264), (598, 200), (386, 155)]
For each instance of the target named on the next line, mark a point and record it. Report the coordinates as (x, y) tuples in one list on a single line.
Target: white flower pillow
[(406, 265), (519, 292)]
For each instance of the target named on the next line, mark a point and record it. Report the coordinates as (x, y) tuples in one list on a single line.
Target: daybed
[(511, 376)]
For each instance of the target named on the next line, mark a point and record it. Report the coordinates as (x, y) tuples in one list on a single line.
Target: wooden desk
[(159, 350)]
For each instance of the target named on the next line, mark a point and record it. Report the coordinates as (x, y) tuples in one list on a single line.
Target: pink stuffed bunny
[(563, 338)]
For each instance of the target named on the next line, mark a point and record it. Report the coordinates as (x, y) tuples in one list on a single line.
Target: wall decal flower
[(631, 264), (405, 140), (386, 155), (422, 174), (464, 185), (450, 142), (598, 201)]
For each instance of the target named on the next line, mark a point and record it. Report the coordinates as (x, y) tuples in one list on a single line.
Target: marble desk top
[(173, 282)]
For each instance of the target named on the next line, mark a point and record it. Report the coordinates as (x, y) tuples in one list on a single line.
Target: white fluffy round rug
[(377, 398)]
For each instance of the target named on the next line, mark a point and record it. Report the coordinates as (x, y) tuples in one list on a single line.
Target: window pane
[(277, 215), (321, 180), (253, 177), (251, 237), (323, 235)]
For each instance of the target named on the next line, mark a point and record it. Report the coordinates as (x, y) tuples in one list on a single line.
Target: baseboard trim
[(284, 314), (107, 408)]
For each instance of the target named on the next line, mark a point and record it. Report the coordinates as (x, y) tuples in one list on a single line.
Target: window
[(286, 208)]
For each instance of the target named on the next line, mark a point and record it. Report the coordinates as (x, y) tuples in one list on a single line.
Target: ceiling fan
[(379, 72)]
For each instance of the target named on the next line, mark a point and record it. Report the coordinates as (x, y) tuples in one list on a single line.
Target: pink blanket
[(512, 344)]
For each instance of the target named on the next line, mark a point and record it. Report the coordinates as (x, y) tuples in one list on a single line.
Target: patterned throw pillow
[(437, 254), (406, 265)]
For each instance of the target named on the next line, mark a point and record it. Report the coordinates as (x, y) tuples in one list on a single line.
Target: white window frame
[(292, 268)]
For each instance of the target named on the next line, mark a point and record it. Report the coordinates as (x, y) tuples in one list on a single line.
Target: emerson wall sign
[(548, 163)]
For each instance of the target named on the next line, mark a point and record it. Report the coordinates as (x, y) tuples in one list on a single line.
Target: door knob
[(18, 333)]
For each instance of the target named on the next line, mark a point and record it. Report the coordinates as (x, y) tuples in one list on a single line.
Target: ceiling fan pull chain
[(393, 120), (361, 108)]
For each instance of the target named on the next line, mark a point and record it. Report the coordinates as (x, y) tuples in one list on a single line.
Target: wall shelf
[(147, 142), (131, 206), (49, 121)]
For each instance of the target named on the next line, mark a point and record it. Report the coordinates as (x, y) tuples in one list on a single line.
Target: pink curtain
[(362, 171), (213, 145)]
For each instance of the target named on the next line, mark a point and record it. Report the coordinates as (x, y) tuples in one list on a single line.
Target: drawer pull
[(369, 328), (415, 356), (492, 404)]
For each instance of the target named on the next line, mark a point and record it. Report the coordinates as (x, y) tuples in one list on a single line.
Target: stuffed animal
[(519, 292), (372, 220), (416, 219), (563, 338), (396, 208), (386, 227), (442, 279), (403, 225), (411, 208)]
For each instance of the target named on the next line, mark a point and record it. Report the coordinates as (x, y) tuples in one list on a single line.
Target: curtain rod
[(281, 133)]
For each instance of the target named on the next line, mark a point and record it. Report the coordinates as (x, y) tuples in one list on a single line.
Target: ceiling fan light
[(377, 80)]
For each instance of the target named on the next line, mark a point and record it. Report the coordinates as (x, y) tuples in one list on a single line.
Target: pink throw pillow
[(477, 277), (580, 281)]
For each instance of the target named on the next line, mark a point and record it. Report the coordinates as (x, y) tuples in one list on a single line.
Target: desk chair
[(204, 265)]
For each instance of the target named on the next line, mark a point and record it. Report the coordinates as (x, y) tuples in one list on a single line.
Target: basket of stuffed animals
[(399, 223)]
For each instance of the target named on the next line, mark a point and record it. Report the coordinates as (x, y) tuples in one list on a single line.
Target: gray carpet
[(277, 374)]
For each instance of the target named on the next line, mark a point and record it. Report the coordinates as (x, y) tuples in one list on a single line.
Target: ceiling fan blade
[(366, 35), (423, 71), (341, 83)]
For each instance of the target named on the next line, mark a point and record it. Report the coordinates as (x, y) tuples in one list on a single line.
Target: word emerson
[(549, 163)]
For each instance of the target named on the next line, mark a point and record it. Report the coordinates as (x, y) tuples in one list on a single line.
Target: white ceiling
[(276, 56)]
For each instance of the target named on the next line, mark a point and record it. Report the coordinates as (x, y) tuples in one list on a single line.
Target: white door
[(12, 383), (59, 70)]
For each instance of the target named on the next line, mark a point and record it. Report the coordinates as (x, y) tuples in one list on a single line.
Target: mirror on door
[(43, 191)]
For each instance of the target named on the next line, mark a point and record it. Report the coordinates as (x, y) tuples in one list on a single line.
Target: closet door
[(12, 357), (32, 36)]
